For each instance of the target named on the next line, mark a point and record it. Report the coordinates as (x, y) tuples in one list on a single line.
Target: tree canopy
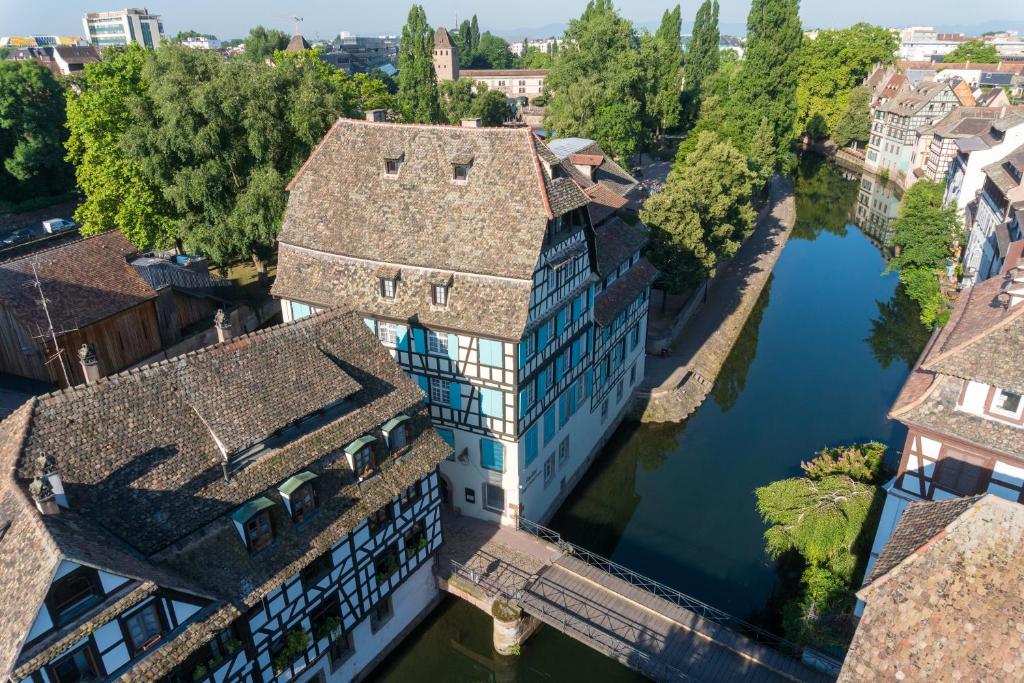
[(262, 43), (662, 54), (830, 68), (702, 57), (924, 233), (702, 214), (417, 84), (975, 51), (854, 122)]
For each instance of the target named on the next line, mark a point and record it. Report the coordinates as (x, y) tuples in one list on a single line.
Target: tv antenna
[(51, 333)]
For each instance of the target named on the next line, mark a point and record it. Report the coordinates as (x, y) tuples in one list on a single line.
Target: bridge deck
[(647, 633)]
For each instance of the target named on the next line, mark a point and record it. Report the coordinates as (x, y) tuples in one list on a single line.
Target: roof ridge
[(64, 245), (978, 336), (531, 141)]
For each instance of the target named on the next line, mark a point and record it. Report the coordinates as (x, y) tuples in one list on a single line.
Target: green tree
[(702, 57), (702, 214), (474, 34), (32, 131), (974, 51), (418, 100), (491, 53), (832, 65), (924, 234), (771, 70), (262, 43), (665, 80), (854, 122), (598, 78), (456, 99), (491, 107), (763, 153), (535, 58), (185, 35), (118, 195)]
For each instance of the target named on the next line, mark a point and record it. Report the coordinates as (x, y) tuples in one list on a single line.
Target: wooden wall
[(193, 309), (20, 353)]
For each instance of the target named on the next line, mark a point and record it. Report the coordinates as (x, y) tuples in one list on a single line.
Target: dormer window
[(299, 495), (361, 457), (144, 627), (388, 287), (73, 594), (252, 521), (440, 295), (461, 172), (392, 166), (396, 431), (81, 664)]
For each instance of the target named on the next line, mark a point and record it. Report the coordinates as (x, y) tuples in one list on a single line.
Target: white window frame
[(437, 343), (388, 287), (440, 391), (549, 470), (387, 333), (1000, 393), (487, 487), (440, 295)]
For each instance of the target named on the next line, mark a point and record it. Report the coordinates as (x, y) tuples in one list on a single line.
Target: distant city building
[(512, 82), (123, 27), (62, 60), (924, 43), (201, 43), (938, 144), (361, 54), (543, 44), (40, 41)]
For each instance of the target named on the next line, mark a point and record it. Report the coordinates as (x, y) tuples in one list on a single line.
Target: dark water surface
[(818, 364)]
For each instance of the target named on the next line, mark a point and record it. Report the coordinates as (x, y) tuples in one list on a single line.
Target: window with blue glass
[(300, 310), (492, 455), (491, 353), (491, 403)]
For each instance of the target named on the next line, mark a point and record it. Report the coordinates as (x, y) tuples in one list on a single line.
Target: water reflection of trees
[(824, 198), (733, 375), (897, 333)]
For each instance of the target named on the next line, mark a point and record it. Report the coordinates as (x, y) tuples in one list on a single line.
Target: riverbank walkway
[(676, 384), (653, 629)]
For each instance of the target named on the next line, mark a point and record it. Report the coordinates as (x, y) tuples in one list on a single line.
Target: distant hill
[(557, 29)]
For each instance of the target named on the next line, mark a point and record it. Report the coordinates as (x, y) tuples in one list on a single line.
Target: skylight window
[(392, 166), (461, 172)]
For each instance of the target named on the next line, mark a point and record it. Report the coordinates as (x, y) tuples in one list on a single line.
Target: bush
[(296, 642), (860, 462)]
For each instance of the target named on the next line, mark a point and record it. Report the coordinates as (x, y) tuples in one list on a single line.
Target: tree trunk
[(178, 245), (261, 267)]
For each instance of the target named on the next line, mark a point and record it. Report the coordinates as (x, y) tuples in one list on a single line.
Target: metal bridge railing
[(623, 651), (660, 590)]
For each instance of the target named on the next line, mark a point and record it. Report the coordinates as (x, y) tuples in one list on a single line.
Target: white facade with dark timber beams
[(471, 254)]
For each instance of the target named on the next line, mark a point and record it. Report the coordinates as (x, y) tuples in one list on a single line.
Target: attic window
[(73, 594), (392, 166), (299, 495), (388, 287), (440, 295), (361, 458), (252, 521), (461, 172), (396, 431)]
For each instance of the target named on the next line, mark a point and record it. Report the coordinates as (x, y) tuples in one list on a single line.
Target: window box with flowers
[(295, 644)]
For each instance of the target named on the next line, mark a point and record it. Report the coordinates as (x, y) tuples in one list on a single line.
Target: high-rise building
[(122, 27)]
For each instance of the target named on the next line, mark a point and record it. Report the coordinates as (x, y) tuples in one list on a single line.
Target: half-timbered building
[(472, 255), (263, 509), (963, 405)]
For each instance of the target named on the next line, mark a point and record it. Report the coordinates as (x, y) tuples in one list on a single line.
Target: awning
[(359, 443), (244, 513), (394, 422), (288, 488)]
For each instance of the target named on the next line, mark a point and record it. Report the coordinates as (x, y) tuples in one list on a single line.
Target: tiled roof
[(138, 460), (297, 44), (495, 73), (442, 39), (623, 292), (494, 223), (998, 173), (85, 281), (951, 610), (909, 102), (616, 241), (603, 203), (608, 173), (586, 159), (328, 281)]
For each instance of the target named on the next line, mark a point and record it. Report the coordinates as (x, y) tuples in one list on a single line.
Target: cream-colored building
[(123, 27)]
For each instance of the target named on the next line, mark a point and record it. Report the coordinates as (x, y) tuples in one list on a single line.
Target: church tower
[(446, 56)]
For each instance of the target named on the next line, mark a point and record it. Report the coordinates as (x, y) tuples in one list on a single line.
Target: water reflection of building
[(877, 204)]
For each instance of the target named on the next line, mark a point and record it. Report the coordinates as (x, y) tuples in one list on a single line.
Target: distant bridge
[(653, 629)]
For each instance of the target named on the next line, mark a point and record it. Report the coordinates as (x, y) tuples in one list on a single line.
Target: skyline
[(232, 19)]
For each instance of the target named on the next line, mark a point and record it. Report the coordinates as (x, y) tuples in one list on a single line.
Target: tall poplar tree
[(702, 58), (771, 70), (418, 99), (665, 81)]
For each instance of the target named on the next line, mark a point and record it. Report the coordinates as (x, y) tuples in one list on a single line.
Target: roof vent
[(471, 123), (90, 365), (376, 115), (42, 494)]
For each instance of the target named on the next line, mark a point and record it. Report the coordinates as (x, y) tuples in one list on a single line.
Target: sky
[(326, 18)]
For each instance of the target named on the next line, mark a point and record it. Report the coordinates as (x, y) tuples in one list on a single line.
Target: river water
[(818, 364)]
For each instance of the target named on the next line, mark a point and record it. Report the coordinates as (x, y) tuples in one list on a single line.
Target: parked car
[(17, 236), (55, 225)]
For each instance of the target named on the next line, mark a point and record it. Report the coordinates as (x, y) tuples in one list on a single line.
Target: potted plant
[(296, 642), (329, 627), (199, 673)]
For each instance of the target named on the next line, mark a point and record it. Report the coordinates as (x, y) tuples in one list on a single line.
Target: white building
[(974, 152), (201, 43), (543, 44), (512, 82), (472, 255), (124, 26)]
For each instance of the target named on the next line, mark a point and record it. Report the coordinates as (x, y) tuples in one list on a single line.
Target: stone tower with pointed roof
[(446, 56)]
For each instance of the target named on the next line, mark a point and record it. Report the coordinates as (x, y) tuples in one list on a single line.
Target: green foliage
[(185, 35), (854, 123), (456, 99), (534, 58), (491, 53), (491, 107), (598, 78), (861, 462), (328, 627), (974, 51), (118, 194), (418, 100), (763, 153), (924, 234), (768, 80), (32, 132), (830, 66), (296, 642), (703, 213), (703, 55), (662, 56), (262, 43), (898, 334)]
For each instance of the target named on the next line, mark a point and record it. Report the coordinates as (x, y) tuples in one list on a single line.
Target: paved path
[(570, 590), (700, 350)]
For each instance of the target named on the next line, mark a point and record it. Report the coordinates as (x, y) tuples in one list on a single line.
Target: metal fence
[(660, 590)]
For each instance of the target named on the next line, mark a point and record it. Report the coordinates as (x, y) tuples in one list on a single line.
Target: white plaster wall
[(930, 447), (974, 177), (974, 400), (471, 474)]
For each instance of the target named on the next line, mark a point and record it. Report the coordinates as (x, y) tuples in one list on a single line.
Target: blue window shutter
[(542, 337), (541, 389), (492, 455), (402, 337), (559, 365), (372, 324), (491, 403), (453, 346), (563, 410), (550, 428), (455, 395), (590, 297), (524, 352), (419, 340), (424, 384), (492, 353), (577, 352), (446, 434), (524, 407), (572, 398), (531, 445), (559, 322)]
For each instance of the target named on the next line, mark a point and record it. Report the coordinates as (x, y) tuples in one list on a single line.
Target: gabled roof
[(442, 39), (297, 44), (616, 241), (909, 102), (606, 172), (624, 291), (85, 281), (949, 609), (494, 223)]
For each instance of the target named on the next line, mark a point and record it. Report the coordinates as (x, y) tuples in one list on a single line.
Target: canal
[(818, 364)]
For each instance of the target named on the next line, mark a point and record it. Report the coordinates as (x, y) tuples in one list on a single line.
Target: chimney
[(470, 123), (42, 494), (375, 115), (90, 366), (222, 325)]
